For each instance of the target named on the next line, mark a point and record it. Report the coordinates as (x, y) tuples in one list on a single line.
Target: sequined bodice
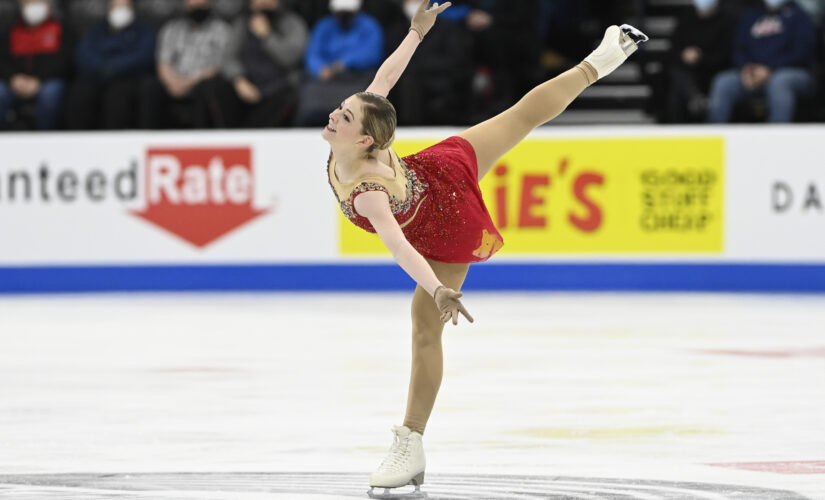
[(405, 191), (436, 200)]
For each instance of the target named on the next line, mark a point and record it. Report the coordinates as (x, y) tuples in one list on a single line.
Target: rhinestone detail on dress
[(413, 193)]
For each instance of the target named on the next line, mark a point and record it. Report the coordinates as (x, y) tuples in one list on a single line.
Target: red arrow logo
[(199, 194)]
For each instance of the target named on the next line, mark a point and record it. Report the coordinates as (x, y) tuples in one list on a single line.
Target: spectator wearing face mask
[(774, 53), (345, 49), (259, 80), (111, 58), (34, 64), (434, 88), (190, 51), (701, 48)]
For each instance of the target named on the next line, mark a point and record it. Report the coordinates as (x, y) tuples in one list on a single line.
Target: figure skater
[(428, 210)]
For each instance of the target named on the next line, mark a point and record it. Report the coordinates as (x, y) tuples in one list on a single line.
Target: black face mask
[(200, 14), (345, 18)]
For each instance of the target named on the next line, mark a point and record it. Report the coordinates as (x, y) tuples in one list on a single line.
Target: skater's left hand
[(424, 19), (447, 301)]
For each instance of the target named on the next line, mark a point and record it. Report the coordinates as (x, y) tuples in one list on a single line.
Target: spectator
[(505, 50), (111, 58), (344, 51), (701, 47), (190, 51), (34, 64), (259, 88), (774, 53), (434, 87)]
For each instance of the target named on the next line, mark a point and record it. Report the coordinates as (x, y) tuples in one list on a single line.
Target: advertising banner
[(597, 196), (164, 198), (682, 208), (776, 209)]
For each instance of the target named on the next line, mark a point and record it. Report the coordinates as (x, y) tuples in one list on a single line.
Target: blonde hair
[(380, 120)]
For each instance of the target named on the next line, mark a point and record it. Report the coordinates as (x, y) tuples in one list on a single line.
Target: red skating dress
[(436, 200)]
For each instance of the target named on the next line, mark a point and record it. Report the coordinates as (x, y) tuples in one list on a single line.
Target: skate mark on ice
[(317, 486)]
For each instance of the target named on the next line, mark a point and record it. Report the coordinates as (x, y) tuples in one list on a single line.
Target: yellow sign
[(628, 195)]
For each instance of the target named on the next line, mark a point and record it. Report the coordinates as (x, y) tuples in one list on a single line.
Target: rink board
[(650, 208), (756, 278)]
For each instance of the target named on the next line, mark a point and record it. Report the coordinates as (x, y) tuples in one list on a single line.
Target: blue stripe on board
[(382, 277)]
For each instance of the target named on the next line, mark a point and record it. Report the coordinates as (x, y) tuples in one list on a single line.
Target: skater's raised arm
[(392, 69), (375, 206)]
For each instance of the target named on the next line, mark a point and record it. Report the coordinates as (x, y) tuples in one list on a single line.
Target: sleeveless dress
[(436, 200)]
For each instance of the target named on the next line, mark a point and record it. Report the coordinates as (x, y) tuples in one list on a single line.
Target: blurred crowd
[(159, 64), (744, 62)]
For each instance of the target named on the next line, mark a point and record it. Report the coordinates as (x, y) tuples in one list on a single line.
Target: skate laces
[(399, 451)]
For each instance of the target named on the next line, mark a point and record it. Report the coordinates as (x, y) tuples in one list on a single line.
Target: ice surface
[(247, 396)]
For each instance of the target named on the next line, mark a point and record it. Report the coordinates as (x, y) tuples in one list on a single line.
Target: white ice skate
[(403, 466), (617, 45)]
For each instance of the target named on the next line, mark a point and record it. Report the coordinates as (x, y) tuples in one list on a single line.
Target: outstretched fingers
[(438, 9), (464, 312), (448, 303), (455, 308)]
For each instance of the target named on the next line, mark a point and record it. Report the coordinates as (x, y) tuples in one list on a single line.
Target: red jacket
[(42, 51)]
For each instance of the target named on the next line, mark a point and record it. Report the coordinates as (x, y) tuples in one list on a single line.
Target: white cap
[(347, 5)]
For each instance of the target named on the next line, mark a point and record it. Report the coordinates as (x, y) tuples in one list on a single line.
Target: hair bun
[(388, 143)]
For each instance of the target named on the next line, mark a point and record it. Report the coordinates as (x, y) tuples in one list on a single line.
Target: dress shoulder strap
[(369, 182)]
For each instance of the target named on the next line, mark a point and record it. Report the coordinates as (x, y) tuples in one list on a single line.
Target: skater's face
[(344, 127)]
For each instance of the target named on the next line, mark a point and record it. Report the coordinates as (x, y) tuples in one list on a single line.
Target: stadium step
[(602, 117)]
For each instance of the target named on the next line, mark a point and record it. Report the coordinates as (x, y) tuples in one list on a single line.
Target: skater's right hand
[(447, 301), (424, 19)]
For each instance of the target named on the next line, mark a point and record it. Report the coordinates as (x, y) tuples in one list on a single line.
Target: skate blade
[(631, 39), (393, 493), (634, 33), (389, 494)]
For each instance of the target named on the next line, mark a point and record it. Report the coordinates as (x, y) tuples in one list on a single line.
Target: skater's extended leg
[(493, 138), (427, 358)]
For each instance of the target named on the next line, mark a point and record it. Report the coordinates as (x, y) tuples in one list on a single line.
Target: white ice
[(638, 386)]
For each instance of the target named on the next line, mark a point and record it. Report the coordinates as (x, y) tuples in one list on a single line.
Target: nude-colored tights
[(491, 140)]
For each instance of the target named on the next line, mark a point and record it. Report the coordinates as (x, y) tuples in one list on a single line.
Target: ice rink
[(292, 396)]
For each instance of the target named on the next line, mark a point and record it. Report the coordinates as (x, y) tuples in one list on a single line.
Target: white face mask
[(410, 8), (348, 5), (120, 17), (35, 13)]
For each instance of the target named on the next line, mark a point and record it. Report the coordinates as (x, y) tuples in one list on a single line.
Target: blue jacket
[(780, 39), (359, 48), (105, 54)]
